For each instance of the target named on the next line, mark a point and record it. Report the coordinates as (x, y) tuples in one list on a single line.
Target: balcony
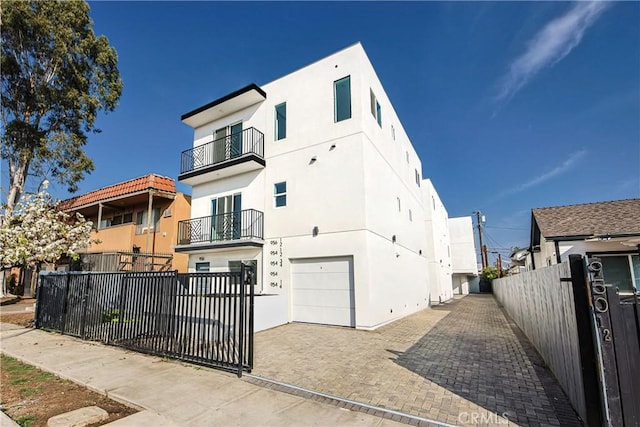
[(233, 229), (231, 155)]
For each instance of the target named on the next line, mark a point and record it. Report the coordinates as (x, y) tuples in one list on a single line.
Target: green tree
[(37, 232), (56, 76), (489, 273)]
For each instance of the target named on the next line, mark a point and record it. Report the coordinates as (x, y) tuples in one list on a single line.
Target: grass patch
[(26, 392), (26, 421), (31, 396)]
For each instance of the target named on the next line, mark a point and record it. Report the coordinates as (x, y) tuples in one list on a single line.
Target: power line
[(505, 228)]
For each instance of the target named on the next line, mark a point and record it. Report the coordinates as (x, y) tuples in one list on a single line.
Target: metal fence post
[(85, 297), (250, 337), (36, 315), (241, 320), (65, 303), (588, 361)]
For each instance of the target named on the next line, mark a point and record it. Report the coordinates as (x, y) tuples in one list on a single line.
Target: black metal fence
[(246, 224), (203, 318), (249, 141), (124, 261)]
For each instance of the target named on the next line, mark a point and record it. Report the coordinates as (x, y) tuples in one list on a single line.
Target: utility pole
[(499, 265), (483, 248)]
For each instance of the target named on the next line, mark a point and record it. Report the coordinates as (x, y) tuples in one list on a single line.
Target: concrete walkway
[(171, 393), (461, 363)]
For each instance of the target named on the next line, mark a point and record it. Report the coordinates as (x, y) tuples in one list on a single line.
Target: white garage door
[(322, 290)]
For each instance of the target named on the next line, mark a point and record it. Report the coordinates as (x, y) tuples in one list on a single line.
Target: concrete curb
[(6, 421)]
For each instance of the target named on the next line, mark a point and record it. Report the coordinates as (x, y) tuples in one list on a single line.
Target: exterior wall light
[(313, 160)]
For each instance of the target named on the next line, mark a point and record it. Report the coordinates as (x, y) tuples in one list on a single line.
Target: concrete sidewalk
[(171, 393)]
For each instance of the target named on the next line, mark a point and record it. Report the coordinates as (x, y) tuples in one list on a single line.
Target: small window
[(417, 178), (342, 99), (202, 267), (407, 154), (399, 206), (280, 194), (410, 215), (127, 218), (117, 220), (434, 202), (281, 121), (376, 111), (393, 132)]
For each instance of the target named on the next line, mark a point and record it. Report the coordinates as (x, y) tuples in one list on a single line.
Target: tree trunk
[(17, 187)]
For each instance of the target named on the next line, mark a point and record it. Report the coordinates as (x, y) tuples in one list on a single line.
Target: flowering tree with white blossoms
[(38, 233)]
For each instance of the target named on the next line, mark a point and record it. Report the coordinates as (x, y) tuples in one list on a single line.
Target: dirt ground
[(31, 396), (22, 319)]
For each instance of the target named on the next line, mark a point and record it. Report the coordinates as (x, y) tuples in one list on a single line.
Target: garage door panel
[(310, 297), (315, 314), (325, 281), (332, 265), (322, 291)]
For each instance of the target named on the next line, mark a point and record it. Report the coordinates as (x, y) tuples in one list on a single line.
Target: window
[(399, 207), (393, 132), (433, 200), (202, 285), (410, 215), (417, 178), (621, 271), (227, 143), (141, 221), (342, 99), (407, 154), (202, 267), (280, 194), (281, 121), (376, 111), (117, 219)]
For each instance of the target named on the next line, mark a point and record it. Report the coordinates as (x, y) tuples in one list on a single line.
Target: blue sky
[(510, 105)]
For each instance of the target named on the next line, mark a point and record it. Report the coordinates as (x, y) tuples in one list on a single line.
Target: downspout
[(533, 258)]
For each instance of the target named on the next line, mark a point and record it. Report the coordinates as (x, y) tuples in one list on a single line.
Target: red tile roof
[(144, 183)]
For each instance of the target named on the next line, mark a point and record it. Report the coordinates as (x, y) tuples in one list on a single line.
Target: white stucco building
[(438, 244), (311, 178), (464, 266)]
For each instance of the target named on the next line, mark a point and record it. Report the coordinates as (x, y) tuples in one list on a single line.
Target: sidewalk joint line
[(348, 401)]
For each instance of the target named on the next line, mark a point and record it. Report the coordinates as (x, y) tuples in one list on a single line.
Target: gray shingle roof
[(619, 217)]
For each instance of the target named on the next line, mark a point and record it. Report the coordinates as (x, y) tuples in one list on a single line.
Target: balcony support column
[(99, 216), (149, 222)]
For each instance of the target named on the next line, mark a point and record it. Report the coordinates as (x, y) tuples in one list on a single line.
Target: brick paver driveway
[(461, 363)]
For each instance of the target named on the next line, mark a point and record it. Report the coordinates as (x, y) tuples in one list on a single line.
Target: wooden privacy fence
[(542, 305), (203, 318), (587, 333)]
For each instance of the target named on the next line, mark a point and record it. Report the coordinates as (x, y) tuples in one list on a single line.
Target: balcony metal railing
[(249, 141), (242, 225)]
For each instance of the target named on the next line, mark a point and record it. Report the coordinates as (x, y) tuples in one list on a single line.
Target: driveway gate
[(203, 318)]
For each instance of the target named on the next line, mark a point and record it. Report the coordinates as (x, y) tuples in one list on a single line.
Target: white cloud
[(565, 166), (549, 46)]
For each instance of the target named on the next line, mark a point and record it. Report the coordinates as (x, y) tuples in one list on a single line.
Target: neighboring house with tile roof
[(136, 222), (610, 230)]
